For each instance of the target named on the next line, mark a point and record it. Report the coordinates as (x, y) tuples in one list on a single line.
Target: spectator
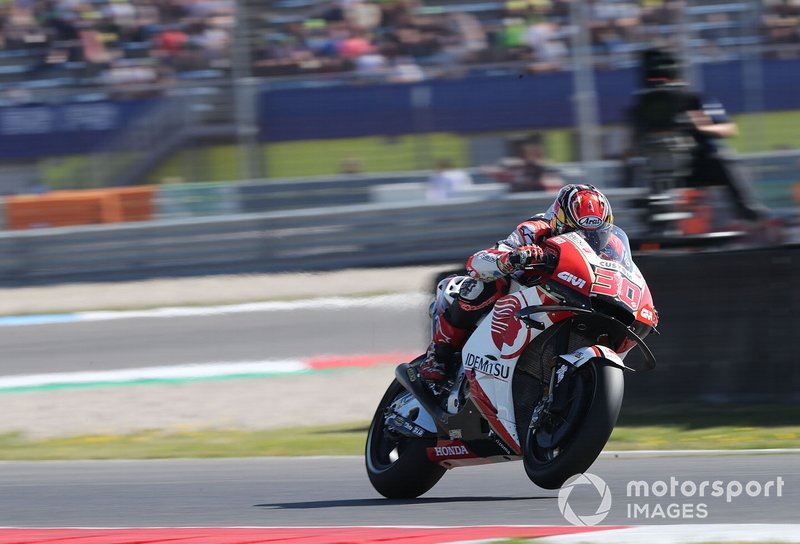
[(334, 35), (405, 70), (446, 181), (350, 165), (544, 39), (527, 170)]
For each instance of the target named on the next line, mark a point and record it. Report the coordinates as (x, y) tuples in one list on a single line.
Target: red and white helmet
[(581, 208)]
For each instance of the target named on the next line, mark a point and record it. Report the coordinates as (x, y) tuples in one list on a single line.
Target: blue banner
[(468, 105), (485, 104), (32, 131)]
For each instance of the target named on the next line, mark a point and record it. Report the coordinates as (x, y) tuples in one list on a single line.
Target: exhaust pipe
[(408, 377)]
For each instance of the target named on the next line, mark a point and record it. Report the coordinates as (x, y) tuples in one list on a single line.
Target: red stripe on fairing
[(359, 361), (481, 400), (596, 351), (299, 535)]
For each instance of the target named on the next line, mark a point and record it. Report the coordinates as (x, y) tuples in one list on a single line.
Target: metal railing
[(310, 239)]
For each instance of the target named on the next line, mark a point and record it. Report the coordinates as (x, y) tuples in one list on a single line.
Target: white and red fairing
[(492, 351)]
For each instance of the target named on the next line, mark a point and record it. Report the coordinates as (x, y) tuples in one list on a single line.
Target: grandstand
[(122, 48), (164, 89)]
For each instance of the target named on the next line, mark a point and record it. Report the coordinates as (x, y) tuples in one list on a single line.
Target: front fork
[(555, 398)]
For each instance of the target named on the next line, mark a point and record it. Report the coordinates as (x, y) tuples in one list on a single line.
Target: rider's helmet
[(583, 209)]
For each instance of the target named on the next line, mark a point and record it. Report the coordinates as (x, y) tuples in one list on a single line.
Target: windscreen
[(609, 242)]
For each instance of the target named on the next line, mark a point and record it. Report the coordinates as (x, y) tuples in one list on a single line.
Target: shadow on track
[(387, 502)]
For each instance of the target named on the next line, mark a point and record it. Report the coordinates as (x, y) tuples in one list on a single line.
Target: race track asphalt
[(250, 336), (336, 492), (317, 492)]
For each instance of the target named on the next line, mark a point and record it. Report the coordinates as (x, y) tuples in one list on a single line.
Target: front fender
[(581, 356)]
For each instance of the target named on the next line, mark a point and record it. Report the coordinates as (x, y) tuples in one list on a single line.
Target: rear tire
[(578, 451), (398, 466)]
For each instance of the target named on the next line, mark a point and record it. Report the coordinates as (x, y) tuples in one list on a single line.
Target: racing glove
[(526, 255)]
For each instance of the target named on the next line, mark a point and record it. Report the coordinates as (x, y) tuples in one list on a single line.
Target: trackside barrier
[(776, 173), (261, 196), (728, 326), (197, 200), (66, 208), (317, 239)]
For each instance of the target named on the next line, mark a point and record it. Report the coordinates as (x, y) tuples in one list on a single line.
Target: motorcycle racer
[(580, 208)]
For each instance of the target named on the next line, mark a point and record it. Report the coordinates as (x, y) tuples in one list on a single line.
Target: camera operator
[(667, 104)]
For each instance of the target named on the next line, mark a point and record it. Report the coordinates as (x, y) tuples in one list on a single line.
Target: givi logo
[(572, 279)]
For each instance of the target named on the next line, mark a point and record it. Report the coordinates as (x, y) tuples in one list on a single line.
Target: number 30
[(610, 283)]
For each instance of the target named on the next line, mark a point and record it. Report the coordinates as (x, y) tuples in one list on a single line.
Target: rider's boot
[(447, 339)]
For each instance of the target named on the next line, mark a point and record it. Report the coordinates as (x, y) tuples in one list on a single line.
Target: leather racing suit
[(490, 271)]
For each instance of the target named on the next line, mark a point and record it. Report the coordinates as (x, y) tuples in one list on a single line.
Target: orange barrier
[(701, 222), (67, 208)]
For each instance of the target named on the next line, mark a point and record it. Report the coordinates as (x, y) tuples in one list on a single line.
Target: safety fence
[(311, 239), (777, 177)]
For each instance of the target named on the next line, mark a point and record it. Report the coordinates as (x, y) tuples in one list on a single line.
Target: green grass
[(558, 145), (640, 427), (322, 157), (341, 440), (767, 131), (373, 154), (690, 426), (758, 132)]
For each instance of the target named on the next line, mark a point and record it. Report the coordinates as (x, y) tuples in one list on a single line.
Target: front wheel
[(567, 444), (398, 466)]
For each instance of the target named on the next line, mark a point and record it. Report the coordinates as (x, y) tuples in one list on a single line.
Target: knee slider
[(471, 289)]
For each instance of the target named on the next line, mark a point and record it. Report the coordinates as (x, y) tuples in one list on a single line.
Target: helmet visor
[(596, 238)]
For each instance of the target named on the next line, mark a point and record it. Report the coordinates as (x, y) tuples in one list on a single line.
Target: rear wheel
[(568, 443), (398, 466)]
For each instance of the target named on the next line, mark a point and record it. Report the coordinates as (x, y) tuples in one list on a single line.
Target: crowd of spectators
[(407, 39), (112, 42), (124, 42)]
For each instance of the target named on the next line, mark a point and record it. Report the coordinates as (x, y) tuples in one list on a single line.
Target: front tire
[(592, 420), (398, 466)]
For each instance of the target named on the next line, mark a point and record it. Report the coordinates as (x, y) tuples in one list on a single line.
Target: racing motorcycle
[(541, 378)]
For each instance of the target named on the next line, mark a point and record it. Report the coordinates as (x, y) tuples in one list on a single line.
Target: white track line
[(693, 453), (684, 534), (174, 372), (333, 303), (399, 301)]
